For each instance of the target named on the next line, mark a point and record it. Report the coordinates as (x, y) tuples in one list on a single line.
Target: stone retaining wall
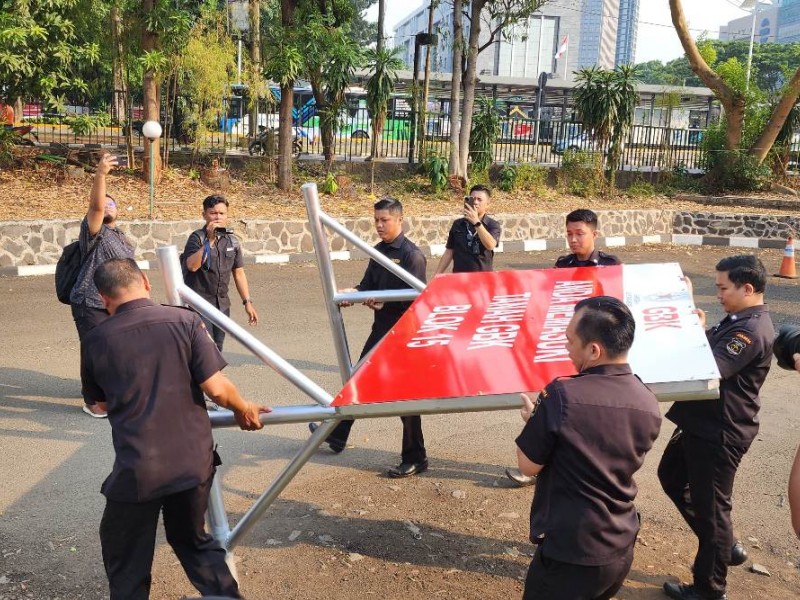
[(40, 242)]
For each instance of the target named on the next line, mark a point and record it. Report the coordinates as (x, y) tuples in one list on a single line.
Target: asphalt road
[(53, 457)]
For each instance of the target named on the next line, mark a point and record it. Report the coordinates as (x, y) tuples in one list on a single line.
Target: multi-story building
[(597, 32), (766, 26)]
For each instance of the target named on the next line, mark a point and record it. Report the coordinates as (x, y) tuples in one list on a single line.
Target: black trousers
[(217, 334), (128, 538), (697, 475), (554, 580), (413, 449), (86, 318)]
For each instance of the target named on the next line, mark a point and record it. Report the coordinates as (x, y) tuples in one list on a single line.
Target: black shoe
[(738, 554), (682, 591), (408, 469), (336, 445)]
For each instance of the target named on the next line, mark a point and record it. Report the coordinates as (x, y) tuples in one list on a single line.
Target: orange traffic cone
[(788, 270)]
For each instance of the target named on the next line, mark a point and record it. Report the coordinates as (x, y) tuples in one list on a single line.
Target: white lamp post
[(152, 131), (751, 5)]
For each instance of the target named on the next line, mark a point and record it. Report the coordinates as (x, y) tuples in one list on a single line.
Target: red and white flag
[(563, 47)]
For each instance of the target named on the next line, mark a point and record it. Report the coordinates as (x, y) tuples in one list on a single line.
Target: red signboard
[(471, 334)]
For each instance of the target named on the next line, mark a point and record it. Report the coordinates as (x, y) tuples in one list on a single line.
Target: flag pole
[(566, 59)]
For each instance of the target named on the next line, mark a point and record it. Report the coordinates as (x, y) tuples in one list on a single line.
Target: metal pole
[(150, 213), (168, 257), (371, 252), (750, 51), (326, 274), (217, 517), (281, 481), (280, 415)]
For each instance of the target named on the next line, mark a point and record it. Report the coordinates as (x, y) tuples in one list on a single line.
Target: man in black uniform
[(149, 365), (472, 238), (212, 254), (701, 459), (585, 437), (395, 246), (581, 235)]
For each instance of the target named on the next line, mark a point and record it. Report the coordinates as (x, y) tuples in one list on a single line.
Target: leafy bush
[(738, 171), (87, 124), (7, 140), (581, 173), (435, 166), (530, 178), (484, 133), (329, 186), (507, 178), (641, 189)]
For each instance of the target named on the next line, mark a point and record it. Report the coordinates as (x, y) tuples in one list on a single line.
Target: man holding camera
[(212, 254), (473, 238)]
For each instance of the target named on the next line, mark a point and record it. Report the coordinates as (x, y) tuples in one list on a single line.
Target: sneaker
[(94, 412)]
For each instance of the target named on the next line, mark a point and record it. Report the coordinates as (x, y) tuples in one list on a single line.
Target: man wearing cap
[(100, 240)]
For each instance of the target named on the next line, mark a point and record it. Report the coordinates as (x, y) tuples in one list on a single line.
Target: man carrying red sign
[(581, 235), (585, 436)]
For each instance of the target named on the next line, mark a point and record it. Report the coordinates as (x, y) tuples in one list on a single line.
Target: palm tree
[(383, 66), (606, 103)]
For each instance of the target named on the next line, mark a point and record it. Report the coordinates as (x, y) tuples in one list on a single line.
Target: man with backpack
[(99, 241)]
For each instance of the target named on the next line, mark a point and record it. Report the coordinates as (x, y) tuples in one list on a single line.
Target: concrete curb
[(437, 250)]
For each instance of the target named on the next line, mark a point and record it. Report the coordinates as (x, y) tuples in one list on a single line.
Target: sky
[(657, 39)]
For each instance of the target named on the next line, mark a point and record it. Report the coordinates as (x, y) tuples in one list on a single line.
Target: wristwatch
[(478, 224), (246, 301)]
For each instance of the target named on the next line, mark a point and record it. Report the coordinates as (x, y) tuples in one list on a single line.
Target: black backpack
[(68, 267)]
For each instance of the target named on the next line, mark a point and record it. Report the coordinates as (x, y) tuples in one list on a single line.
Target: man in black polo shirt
[(472, 238), (212, 254), (585, 436), (581, 234), (149, 365), (395, 246), (701, 459)]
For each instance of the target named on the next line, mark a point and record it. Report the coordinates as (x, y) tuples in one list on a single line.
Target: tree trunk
[(151, 104), (470, 81), (119, 94), (255, 62), (455, 87), (732, 102), (287, 102), (763, 144), (381, 23)]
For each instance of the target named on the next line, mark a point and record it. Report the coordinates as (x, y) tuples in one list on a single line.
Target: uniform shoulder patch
[(736, 346)]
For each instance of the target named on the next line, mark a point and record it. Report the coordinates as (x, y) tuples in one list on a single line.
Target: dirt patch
[(33, 189)]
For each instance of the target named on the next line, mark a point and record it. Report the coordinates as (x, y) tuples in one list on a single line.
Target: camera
[(223, 230), (786, 344), (469, 201), (122, 162)]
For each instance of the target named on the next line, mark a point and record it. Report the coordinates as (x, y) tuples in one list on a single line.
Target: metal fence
[(520, 141)]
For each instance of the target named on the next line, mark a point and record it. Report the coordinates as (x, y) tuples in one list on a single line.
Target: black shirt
[(147, 362), (469, 253), (213, 277), (112, 243), (591, 432), (742, 347), (597, 258), (405, 253)]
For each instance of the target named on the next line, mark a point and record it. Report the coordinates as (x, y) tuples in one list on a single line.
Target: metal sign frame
[(178, 293)]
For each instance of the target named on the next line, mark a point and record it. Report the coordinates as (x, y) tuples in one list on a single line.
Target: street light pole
[(753, 5), (152, 131)]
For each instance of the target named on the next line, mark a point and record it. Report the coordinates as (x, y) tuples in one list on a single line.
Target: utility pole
[(423, 121)]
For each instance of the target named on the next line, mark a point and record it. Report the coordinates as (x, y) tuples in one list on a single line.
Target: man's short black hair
[(393, 205), (583, 215), (213, 200), (744, 268), (608, 322), (115, 275), (480, 188)]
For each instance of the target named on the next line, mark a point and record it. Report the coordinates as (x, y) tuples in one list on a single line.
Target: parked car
[(576, 141)]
